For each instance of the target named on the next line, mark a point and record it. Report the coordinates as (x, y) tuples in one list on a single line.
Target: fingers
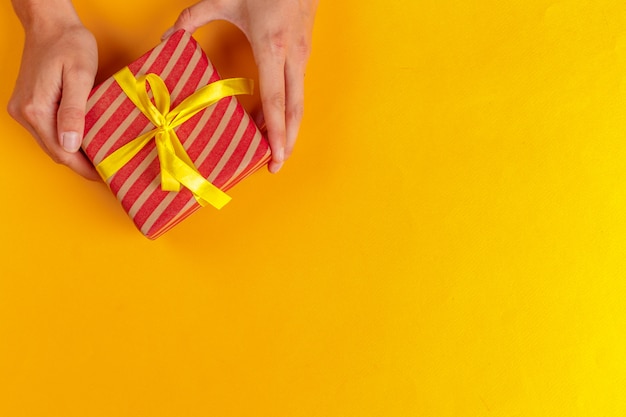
[(271, 65), (46, 140), (281, 76), (41, 124), (76, 86), (294, 73), (14, 112), (46, 133), (279, 32)]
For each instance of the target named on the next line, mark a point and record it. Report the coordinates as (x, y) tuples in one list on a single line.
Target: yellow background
[(448, 239)]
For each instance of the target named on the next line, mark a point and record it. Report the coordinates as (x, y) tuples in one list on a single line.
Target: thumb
[(71, 113), (193, 17)]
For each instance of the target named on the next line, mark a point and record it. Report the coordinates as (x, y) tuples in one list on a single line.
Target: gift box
[(168, 135)]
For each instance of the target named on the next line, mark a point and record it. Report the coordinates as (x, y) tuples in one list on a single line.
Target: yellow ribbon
[(176, 167)]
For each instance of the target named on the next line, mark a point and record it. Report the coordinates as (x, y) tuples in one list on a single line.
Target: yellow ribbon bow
[(176, 166)]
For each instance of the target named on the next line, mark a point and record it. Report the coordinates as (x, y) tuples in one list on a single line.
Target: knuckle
[(277, 42), (81, 72), (185, 17), (277, 101), (60, 157), (12, 109), (302, 48), (72, 113), (296, 112), (33, 112), (55, 157)]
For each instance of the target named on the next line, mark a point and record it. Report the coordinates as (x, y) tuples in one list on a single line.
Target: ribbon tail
[(169, 182), (204, 192), (116, 160), (165, 147), (180, 151)]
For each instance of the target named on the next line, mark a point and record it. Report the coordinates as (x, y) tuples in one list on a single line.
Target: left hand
[(279, 32)]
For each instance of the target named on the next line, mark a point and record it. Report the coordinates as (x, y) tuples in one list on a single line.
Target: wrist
[(45, 15)]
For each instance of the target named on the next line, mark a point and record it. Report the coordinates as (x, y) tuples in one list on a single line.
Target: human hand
[(279, 32), (57, 72)]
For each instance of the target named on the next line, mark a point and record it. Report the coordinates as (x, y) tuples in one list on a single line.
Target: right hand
[(280, 33), (59, 64)]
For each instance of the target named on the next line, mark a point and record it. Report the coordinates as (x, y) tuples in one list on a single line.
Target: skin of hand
[(57, 72), (279, 32)]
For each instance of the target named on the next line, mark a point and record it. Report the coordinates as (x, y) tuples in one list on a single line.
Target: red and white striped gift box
[(222, 141)]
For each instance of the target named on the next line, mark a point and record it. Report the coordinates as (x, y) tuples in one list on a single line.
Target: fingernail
[(167, 33), (70, 141), (277, 162), (276, 167)]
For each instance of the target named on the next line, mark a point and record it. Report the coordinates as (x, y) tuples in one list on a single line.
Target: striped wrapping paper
[(222, 140)]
